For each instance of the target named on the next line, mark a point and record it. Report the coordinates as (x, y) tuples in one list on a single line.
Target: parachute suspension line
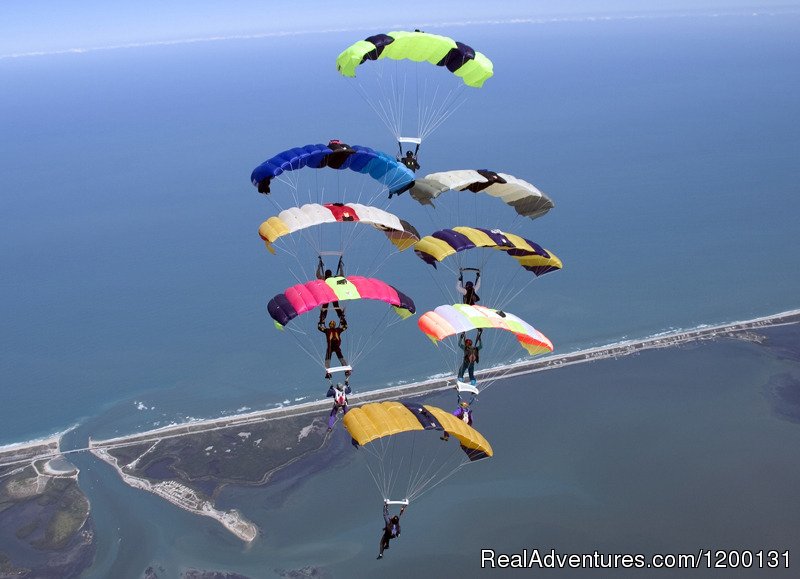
[(433, 469), (422, 491), (316, 356), (507, 299), (371, 339), (439, 110), (297, 259)]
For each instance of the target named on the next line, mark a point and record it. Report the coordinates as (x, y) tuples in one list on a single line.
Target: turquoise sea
[(134, 282)]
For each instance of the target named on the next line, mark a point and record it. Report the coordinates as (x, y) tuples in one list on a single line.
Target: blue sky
[(43, 26)]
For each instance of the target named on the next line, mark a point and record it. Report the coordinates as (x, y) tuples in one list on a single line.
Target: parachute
[(402, 87), (383, 168), (400, 459), (525, 198), (472, 67), (401, 233), (441, 244), (302, 298), (446, 321)]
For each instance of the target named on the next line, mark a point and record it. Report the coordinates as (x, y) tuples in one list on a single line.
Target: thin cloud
[(442, 24)]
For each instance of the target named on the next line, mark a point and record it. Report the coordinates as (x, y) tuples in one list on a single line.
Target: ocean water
[(134, 283), (668, 451), (133, 273)]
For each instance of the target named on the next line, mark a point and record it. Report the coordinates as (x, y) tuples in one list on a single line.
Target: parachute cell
[(524, 197), (447, 320), (471, 66), (378, 165), (302, 298), (401, 233), (441, 244), (381, 419)]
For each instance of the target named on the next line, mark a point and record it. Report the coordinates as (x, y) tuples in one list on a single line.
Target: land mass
[(45, 524), (189, 464)]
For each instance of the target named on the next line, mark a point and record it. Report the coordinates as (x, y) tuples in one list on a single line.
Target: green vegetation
[(27, 530), (69, 515), (239, 454)]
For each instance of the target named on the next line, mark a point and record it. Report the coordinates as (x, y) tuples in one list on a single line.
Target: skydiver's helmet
[(395, 519), (468, 285), (468, 342), (464, 404), (328, 273), (332, 324)]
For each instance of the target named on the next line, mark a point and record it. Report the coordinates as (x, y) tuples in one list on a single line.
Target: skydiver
[(470, 356), (464, 412), (469, 289), (323, 274), (333, 339), (410, 160), (339, 394), (391, 529)]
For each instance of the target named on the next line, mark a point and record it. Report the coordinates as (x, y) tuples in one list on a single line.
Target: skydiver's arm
[(331, 392), (461, 341), (477, 285), (340, 268), (321, 327), (460, 288), (320, 269), (347, 389)]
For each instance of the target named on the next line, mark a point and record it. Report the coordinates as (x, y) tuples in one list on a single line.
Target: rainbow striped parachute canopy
[(471, 66), (446, 321), (382, 167), (374, 421), (525, 198), (401, 233), (302, 298), (441, 244)]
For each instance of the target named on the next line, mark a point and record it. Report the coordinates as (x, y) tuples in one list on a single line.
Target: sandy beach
[(618, 349), (48, 447)]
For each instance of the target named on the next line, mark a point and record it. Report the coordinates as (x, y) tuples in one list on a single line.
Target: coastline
[(439, 383), (48, 447), (185, 498)]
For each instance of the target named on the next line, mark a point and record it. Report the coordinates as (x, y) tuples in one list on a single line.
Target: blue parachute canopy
[(382, 167)]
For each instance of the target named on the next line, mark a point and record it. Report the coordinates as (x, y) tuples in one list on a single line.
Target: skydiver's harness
[(340, 399)]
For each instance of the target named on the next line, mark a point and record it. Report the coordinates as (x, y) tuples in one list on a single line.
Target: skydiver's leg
[(384, 544), (461, 370), (328, 361), (323, 313), (338, 352), (339, 312), (471, 369), (332, 417)]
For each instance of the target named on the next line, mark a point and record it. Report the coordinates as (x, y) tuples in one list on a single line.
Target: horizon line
[(457, 23)]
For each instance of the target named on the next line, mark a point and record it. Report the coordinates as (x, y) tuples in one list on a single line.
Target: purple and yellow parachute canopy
[(441, 244)]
